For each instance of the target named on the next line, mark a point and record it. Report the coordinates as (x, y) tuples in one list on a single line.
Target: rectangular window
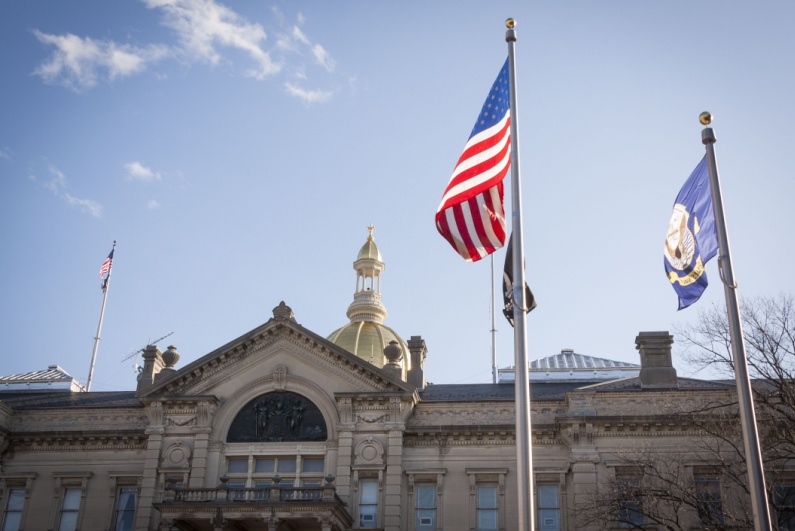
[(487, 508), (710, 506), (237, 466), (260, 473), (368, 503), (425, 507), (784, 506), (630, 510), (286, 465), (12, 514), (312, 465), (548, 508), (70, 507), (264, 465), (126, 500)]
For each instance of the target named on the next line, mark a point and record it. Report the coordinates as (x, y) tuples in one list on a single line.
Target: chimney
[(153, 364), (656, 368), (417, 351)]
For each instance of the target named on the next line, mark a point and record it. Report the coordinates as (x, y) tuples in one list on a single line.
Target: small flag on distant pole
[(692, 239), (507, 287), (105, 269), (471, 216)]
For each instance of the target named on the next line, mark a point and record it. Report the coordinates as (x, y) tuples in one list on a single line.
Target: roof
[(65, 399), (497, 392), (568, 360), (54, 377)]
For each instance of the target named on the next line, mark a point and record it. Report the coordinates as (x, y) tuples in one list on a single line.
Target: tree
[(708, 482)]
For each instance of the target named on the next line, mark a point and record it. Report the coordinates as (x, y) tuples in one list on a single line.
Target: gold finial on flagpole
[(705, 118), (510, 23)]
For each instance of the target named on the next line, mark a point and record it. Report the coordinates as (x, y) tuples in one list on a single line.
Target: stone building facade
[(284, 429)]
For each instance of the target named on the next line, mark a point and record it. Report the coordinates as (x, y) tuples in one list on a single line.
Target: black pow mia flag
[(507, 286)]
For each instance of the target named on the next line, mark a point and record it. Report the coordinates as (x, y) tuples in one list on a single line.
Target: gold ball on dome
[(510, 23), (705, 118)]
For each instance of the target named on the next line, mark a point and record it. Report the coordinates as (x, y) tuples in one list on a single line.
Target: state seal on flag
[(680, 244)]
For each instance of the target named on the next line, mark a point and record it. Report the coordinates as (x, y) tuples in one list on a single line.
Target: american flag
[(106, 264), (471, 215)]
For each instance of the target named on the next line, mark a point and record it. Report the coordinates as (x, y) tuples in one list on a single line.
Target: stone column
[(394, 480), (198, 471)]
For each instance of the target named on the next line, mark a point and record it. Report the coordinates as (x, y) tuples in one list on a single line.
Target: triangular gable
[(196, 377)]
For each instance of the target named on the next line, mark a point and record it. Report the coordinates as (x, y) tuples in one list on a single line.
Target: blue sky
[(237, 151)]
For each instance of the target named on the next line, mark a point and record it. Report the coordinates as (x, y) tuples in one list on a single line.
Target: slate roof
[(633, 384), (66, 400), (550, 390), (496, 392)]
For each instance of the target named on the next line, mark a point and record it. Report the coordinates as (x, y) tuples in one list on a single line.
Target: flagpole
[(493, 327), (524, 451), (105, 287), (753, 454)]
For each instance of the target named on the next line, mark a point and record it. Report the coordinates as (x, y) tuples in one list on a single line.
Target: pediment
[(268, 353)]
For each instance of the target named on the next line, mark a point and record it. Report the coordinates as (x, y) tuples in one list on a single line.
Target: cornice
[(72, 420), (78, 442)]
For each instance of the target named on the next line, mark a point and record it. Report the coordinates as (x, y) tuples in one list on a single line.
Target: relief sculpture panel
[(276, 417)]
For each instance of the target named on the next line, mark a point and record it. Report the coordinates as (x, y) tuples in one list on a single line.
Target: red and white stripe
[(471, 215)]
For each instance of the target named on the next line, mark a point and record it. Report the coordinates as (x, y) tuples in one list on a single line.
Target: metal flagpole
[(753, 454), (493, 327), (105, 286), (524, 451)]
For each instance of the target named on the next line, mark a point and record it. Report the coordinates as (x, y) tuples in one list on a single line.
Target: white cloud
[(291, 42), (138, 172), (58, 181), (57, 185), (323, 58), (78, 62), (153, 205), (206, 30), (85, 205), (5, 153), (309, 96), (300, 36), (202, 25)]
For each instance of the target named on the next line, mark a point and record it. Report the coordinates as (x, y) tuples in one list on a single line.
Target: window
[(425, 507), (71, 491), (426, 487), (12, 514), (710, 506), (548, 508), (368, 503), (784, 505), (124, 515), (258, 471), (630, 509), (486, 498), (70, 509), (487, 508)]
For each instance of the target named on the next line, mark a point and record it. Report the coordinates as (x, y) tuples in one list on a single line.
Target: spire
[(366, 305)]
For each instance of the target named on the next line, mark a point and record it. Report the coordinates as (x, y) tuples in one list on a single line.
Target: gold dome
[(369, 251), (367, 340), (365, 336)]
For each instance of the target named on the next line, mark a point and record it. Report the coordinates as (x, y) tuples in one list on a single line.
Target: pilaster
[(394, 481)]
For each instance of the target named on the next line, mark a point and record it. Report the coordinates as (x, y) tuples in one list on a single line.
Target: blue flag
[(692, 239)]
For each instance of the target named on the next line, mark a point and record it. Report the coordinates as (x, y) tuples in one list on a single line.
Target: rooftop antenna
[(135, 354)]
